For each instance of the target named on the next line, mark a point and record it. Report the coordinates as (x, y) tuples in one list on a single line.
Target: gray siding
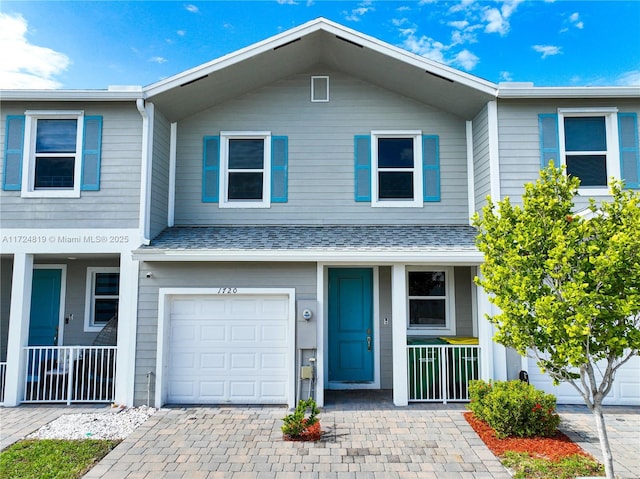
[(160, 175), (481, 160), (321, 153), (520, 139), (6, 272), (464, 305), (116, 205), (301, 276)]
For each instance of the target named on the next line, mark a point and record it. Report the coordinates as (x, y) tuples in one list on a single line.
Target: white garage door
[(624, 392), (228, 349)]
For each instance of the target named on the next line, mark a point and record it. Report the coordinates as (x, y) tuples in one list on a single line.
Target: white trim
[(321, 292), (471, 193), (529, 91), (449, 298), (612, 153), (399, 314), (28, 189), (63, 296), (75, 95), (173, 145), (375, 311), (417, 201), (225, 136), (146, 110), (90, 297), (164, 317), (313, 90), (494, 150)]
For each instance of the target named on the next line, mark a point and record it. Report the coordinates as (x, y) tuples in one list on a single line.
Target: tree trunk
[(604, 439)]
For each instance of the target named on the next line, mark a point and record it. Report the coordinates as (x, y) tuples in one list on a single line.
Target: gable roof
[(321, 42)]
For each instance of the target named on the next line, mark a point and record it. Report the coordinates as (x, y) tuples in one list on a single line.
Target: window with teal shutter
[(91, 152), (362, 148), (629, 157), (279, 169), (14, 144), (431, 168), (549, 144), (211, 169)]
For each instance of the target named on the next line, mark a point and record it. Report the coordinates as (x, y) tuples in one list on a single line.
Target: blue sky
[(89, 44)]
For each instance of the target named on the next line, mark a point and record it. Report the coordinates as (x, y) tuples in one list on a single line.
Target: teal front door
[(45, 307), (351, 325)]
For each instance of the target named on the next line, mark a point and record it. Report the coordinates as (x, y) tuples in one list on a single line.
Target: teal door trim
[(352, 333), (48, 292)]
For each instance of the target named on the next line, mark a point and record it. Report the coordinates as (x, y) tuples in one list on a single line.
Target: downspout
[(146, 111)]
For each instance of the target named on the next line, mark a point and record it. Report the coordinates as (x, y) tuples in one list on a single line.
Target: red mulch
[(311, 433), (552, 448)]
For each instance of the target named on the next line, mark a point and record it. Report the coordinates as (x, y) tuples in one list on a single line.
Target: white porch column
[(399, 334), (127, 328), (485, 333), (18, 336)]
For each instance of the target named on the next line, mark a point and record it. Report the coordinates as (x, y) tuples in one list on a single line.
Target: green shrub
[(296, 422), (514, 408)]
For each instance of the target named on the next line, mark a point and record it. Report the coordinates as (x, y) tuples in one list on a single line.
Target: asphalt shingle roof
[(318, 238)]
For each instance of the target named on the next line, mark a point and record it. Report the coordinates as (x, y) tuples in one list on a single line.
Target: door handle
[(368, 343)]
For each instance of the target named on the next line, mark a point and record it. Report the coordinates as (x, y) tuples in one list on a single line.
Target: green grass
[(527, 467), (52, 458)]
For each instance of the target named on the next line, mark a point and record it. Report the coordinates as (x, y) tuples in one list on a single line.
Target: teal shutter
[(91, 151), (430, 168), (549, 144), (279, 169), (362, 149), (211, 169), (13, 150), (629, 157)]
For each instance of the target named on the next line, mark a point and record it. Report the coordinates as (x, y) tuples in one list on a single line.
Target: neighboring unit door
[(351, 325), (45, 307), (229, 349)]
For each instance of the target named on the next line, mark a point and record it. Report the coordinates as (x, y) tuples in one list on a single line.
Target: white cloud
[(397, 22), (403, 9), (575, 21), (23, 65), (426, 47), (631, 78), (547, 50), (498, 19), (461, 6), (192, 8), (460, 25), (181, 33), (506, 76), (466, 60), (357, 13), (158, 60), (287, 2)]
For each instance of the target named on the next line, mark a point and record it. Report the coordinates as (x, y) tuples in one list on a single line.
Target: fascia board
[(307, 29), (461, 258), (570, 92), (70, 95)]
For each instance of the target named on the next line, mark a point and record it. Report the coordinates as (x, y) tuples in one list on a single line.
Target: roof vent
[(319, 89)]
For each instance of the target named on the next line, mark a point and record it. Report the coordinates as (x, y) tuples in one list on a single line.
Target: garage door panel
[(229, 349)]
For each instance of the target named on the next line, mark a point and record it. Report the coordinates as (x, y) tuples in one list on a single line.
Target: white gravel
[(117, 423)]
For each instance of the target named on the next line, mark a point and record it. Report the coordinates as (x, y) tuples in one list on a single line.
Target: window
[(397, 168), (53, 155), (589, 146), (319, 89), (431, 300), (103, 288), (246, 165)]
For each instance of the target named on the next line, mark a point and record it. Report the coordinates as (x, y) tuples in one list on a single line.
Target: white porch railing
[(3, 379), (68, 374), (441, 373)]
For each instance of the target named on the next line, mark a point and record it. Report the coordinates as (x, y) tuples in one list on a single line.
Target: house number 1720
[(227, 290)]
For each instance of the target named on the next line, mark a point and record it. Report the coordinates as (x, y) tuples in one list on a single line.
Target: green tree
[(567, 285)]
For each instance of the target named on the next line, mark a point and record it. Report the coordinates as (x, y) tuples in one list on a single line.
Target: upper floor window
[(431, 300), (103, 293), (52, 165), (397, 168), (245, 177), (589, 146)]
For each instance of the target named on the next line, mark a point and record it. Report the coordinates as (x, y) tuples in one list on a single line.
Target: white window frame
[(225, 136), (417, 200), (449, 303), (612, 153), (325, 99), (90, 297), (29, 159)]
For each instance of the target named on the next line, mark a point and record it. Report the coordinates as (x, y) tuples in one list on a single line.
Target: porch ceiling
[(327, 44)]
